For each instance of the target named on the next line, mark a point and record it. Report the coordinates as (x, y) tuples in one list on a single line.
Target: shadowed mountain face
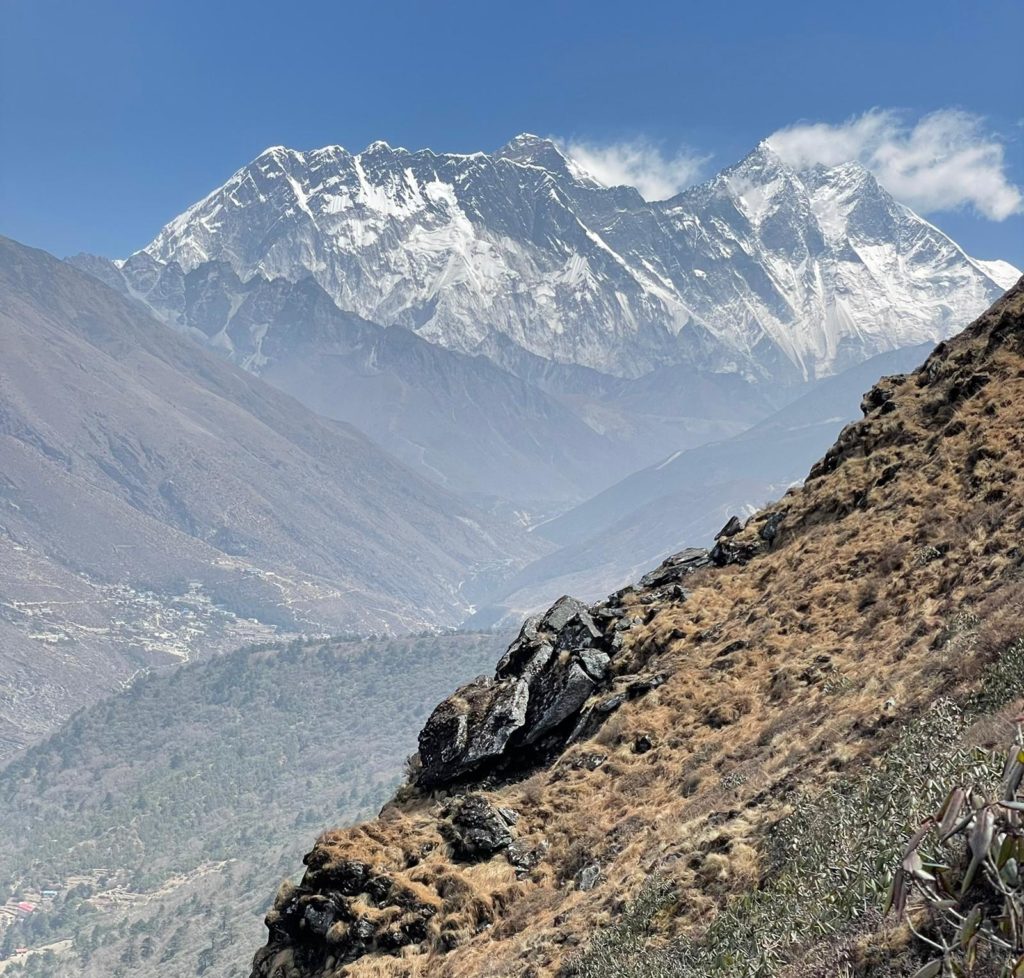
[(510, 429), (156, 501), (462, 421)]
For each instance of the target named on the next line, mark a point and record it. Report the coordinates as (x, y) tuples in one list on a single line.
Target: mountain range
[(396, 393), (764, 271), (543, 345), (524, 348)]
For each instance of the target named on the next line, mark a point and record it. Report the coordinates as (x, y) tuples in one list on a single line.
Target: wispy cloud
[(945, 160), (638, 163)]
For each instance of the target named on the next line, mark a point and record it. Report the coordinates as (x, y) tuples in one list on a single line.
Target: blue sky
[(114, 116)]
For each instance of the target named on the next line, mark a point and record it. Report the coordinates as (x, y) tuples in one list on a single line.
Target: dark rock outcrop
[(336, 913), (882, 394), (676, 567), (558, 681), (476, 830), (730, 529)]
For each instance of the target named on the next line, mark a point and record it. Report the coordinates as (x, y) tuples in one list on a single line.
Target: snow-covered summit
[(764, 269)]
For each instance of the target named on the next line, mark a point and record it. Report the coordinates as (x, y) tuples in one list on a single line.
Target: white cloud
[(638, 163), (945, 160)]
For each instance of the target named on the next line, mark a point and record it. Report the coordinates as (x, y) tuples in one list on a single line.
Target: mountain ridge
[(761, 270), (646, 750), (157, 502)]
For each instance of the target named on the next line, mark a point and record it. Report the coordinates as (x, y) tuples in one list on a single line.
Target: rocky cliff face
[(664, 732)]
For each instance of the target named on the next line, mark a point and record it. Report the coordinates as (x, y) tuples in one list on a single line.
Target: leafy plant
[(963, 866)]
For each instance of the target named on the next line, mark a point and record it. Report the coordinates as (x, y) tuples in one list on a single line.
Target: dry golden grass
[(892, 577)]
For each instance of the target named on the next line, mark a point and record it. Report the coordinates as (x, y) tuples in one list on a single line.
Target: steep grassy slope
[(855, 633), (684, 498), (166, 815)]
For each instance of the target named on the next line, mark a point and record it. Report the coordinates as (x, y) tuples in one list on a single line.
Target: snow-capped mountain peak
[(763, 269), (534, 150)]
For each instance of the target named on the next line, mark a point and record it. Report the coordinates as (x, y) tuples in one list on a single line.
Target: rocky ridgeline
[(563, 676), (558, 681)]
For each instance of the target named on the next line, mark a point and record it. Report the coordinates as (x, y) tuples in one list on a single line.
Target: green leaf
[(930, 970), (970, 926)]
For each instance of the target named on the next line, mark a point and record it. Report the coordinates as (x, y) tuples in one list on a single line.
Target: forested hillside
[(164, 818)]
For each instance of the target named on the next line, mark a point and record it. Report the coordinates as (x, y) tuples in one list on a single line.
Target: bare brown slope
[(823, 630)]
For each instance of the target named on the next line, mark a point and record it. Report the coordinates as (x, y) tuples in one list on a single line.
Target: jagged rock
[(522, 858), (556, 700), (546, 676), (594, 663), (882, 393), (770, 528), (676, 567), (580, 631), (533, 705), (327, 914), (730, 529), (587, 878), (471, 726), (520, 651), (642, 744), (476, 829), (559, 614), (607, 611)]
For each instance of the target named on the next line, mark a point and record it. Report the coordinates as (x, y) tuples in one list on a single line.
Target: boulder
[(595, 664), (471, 726), (524, 646), (475, 829), (558, 615), (770, 528), (642, 744), (328, 913), (727, 552), (525, 662), (676, 567), (579, 632), (522, 858), (730, 529), (540, 688), (588, 877)]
